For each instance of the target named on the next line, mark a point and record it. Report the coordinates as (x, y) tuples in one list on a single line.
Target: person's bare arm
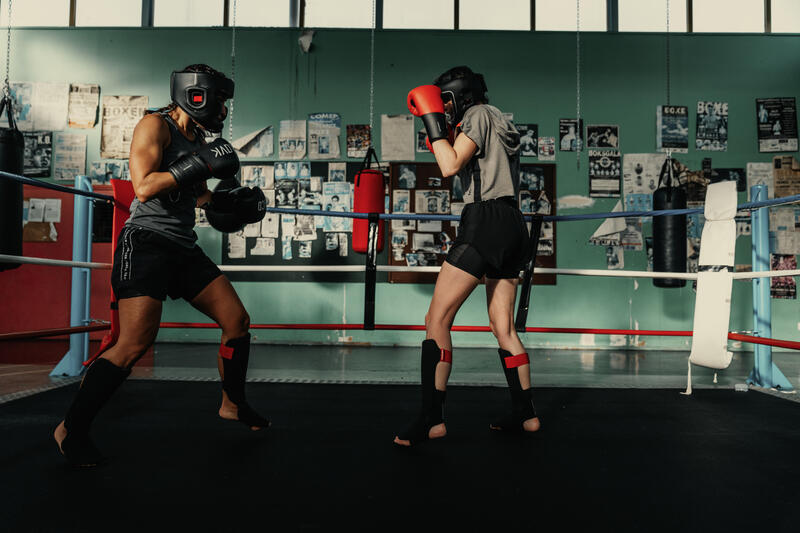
[(451, 159), (149, 139)]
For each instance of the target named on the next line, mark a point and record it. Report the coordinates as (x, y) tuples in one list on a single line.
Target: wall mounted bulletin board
[(314, 240), (420, 188), (537, 195)]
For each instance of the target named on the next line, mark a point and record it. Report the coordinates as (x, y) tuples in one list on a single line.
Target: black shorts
[(492, 240), (465, 257), (149, 264)]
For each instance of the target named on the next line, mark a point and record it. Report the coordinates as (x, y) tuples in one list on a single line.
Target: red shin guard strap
[(446, 356), (513, 361), (226, 352)]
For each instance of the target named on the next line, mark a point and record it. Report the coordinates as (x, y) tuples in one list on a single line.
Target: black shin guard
[(101, 380), (432, 411), (235, 357), (522, 407)]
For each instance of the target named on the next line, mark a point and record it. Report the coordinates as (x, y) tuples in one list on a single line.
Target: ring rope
[(399, 268), (793, 345)]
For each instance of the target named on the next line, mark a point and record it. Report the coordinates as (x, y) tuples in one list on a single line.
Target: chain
[(372, 73), (578, 128), (233, 69), (7, 84), (668, 66)]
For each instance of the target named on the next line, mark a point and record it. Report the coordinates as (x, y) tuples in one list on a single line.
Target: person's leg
[(500, 297), (219, 301), (139, 319), (453, 286)]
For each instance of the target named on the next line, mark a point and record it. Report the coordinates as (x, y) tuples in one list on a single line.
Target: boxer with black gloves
[(157, 255), (492, 244)]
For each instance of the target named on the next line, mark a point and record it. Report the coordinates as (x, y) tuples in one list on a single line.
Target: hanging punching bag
[(12, 149), (368, 197), (669, 232)]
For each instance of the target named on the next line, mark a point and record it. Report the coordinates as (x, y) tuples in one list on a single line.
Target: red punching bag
[(368, 197)]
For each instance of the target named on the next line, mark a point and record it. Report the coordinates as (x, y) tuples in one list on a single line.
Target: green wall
[(530, 74)]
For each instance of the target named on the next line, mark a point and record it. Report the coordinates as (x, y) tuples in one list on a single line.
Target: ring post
[(765, 373), (370, 276), (72, 362)]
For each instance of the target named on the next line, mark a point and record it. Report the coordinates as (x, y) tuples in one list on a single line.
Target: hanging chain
[(233, 69), (372, 73), (578, 128), (668, 65), (7, 84)]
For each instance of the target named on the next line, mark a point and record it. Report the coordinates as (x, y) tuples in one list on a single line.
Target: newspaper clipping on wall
[(397, 138), (257, 144), (39, 106), (84, 100), (672, 128), (120, 116), (324, 130), (605, 171), (712, 126), (777, 124), (69, 156), (760, 174), (292, 139)]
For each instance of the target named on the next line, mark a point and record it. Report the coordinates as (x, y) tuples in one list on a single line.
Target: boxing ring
[(609, 452), (709, 336)]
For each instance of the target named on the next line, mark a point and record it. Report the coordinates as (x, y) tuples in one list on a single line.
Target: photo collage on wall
[(420, 188)]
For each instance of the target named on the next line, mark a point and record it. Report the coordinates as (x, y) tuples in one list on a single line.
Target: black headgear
[(202, 96), (464, 88)]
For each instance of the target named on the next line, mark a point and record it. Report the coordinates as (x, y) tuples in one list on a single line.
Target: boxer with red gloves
[(492, 244), (157, 255)]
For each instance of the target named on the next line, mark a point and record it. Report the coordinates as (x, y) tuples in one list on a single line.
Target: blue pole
[(765, 373), (72, 362)]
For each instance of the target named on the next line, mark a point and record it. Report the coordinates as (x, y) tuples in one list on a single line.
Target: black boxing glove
[(233, 206), (216, 158)]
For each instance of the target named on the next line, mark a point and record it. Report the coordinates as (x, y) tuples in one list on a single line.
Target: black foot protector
[(522, 407), (235, 356), (432, 411), (101, 380)]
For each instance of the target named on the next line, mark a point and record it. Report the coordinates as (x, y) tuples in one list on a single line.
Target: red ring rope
[(792, 345)]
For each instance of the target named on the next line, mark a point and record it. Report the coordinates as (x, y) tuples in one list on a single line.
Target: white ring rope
[(399, 268)]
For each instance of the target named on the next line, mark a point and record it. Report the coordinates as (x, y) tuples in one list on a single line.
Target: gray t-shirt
[(493, 172), (170, 214)]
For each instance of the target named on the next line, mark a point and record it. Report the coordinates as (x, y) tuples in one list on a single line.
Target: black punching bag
[(669, 232), (12, 149)]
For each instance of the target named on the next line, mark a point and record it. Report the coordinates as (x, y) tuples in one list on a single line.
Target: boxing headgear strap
[(513, 361), (202, 95)]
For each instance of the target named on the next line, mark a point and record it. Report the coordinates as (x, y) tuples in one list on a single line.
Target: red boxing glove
[(425, 102)]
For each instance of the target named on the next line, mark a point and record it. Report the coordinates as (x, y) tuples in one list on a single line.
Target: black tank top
[(172, 213)]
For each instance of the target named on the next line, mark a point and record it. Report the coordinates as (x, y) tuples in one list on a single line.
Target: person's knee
[(501, 326), (236, 326), (125, 353), (435, 320)]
